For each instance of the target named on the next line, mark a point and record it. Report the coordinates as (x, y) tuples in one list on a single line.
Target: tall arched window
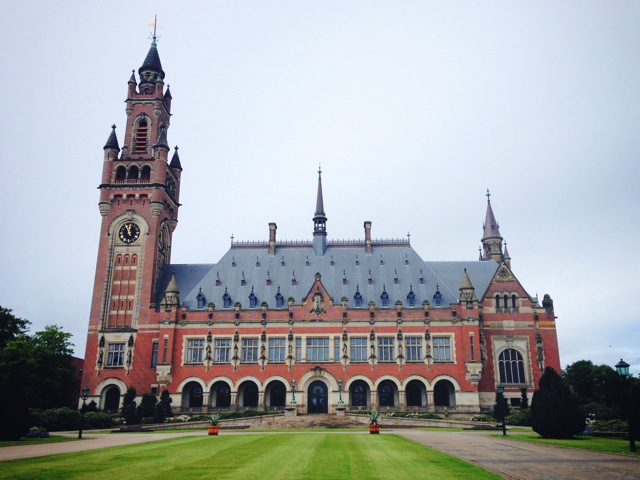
[(142, 136), (511, 366)]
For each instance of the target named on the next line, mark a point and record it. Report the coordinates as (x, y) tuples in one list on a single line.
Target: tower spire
[(491, 239), (319, 221)]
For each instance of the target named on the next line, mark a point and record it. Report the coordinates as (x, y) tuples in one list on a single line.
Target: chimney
[(272, 238), (367, 237)]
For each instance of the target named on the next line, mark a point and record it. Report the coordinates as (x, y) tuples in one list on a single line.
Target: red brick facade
[(441, 340)]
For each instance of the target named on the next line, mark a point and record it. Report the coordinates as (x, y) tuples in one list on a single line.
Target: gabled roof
[(396, 269)]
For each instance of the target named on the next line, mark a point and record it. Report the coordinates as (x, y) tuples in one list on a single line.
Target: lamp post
[(85, 395), (622, 368), (293, 391), (502, 408)]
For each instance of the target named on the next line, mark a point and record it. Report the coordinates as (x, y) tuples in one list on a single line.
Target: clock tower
[(139, 202)]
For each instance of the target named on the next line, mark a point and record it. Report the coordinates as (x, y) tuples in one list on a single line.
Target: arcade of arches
[(318, 395)]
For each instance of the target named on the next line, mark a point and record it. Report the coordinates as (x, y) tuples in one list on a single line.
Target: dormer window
[(200, 299), (141, 138), (411, 297), (279, 299), (384, 297), (253, 300), (437, 297), (358, 297), (226, 299)]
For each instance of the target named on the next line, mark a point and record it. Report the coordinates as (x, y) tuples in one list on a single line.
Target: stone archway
[(317, 396), (112, 398), (444, 394)]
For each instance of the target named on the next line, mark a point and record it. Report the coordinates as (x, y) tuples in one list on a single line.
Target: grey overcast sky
[(413, 108)]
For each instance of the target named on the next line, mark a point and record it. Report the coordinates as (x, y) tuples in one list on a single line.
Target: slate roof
[(383, 266)]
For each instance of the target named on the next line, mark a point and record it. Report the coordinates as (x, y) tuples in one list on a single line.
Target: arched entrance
[(248, 395), (359, 394), (416, 394), (220, 395), (192, 395), (317, 396), (387, 394), (112, 399), (276, 394), (444, 394)]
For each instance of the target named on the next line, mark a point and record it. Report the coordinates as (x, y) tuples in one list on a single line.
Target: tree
[(128, 410), (147, 406), (554, 411), (634, 416), (35, 372), (524, 399), (163, 407), (11, 326), (600, 390)]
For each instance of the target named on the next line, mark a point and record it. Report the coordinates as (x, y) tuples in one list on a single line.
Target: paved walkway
[(525, 460), (507, 458)]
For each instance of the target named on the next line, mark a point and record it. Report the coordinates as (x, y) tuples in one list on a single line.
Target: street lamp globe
[(622, 368)]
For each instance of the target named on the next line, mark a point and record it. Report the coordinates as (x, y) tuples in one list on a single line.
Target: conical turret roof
[(491, 227), (152, 61), (112, 141), (175, 160)]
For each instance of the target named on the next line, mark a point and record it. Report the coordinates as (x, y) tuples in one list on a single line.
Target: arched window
[(141, 138), (133, 174), (121, 174), (498, 302), (112, 399), (511, 367), (514, 302), (386, 394), (145, 175)]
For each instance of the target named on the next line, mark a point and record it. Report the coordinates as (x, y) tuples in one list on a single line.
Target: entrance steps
[(310, 421)]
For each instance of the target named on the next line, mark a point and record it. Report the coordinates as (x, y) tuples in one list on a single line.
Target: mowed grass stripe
[(265, 456)]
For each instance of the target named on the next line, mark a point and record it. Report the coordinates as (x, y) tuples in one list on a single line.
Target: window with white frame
[(336, 349), (317, 349), (277, 349), (195, 350), (511, 367), (386, 349), (298, 349), (442, 349), (413, 349), (115, 355), (249, 350), (222, 350), (358, 349), (154, 353)]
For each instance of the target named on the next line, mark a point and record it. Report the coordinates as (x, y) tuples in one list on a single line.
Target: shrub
[(35, 432), (147, 420), (609, 426), (554, 411), (520, 418), (94, 420), (56, 419)]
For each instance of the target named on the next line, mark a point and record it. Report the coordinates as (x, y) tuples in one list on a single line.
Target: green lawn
[(275, 456), (599, 444)]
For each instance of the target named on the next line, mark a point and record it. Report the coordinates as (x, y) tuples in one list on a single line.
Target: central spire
[(319, 222), (319, 200)]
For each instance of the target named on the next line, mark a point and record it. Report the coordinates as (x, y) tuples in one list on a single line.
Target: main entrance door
[(317, 397)]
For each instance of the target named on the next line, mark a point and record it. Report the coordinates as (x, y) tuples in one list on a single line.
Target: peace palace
[(317, 326)]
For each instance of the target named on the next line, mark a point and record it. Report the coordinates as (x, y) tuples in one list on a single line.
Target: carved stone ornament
[(317, 305)]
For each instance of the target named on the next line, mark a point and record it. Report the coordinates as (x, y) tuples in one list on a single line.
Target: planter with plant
[(214, 426), (374, 426)]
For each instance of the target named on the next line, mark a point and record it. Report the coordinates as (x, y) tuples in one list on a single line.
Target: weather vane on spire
[(154, 24), (488, 196)]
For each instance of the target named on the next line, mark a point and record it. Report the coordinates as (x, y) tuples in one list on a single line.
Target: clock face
[(129, 232)]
